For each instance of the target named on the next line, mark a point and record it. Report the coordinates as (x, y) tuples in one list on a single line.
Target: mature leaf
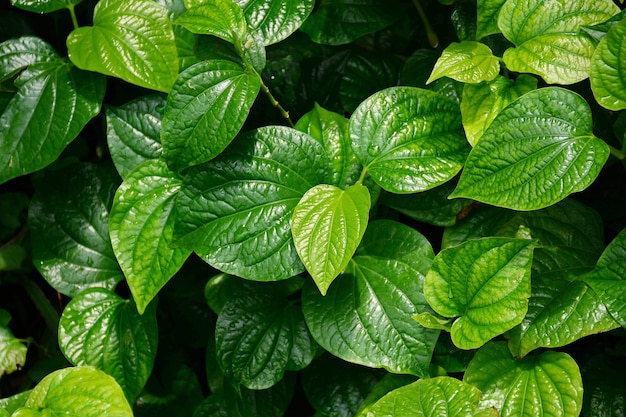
[(366, 316), (548, 37), (481, 103), (235, 211), (12, 350), (100, 329), (607, 74), (141, 229), (327, 226), (605, 390), (600, 30), (205, 110), (387, 384), (12, 403), (487, 17), (485, 283), (133, 41), (221, 18), (537, 151), (133, 132), (408, 139), (44, 6), (467, 61), (69, 225), (548, 384), (186, 47), (17, 54)]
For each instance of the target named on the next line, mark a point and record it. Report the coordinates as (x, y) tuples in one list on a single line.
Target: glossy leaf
[(101, 329), (12, 403), (221, 18), (536, 152), (408, 139), (205, 110), (17, 54), (141, 228), (133, 41), (327, 226), (548, 38), (365, 317), (607, 74), (44, 6), (235, 211), (487, 17), (69, 224), (12, 350), (467, 61), (485, 283), (548, 384)]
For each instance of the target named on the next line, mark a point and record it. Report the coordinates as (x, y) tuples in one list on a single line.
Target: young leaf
[(221, 18), (205, 110), (607, 74), (483, 282), (44, 6), (487, 17), (327, 226), (365, 317), (467, 61), (408, 139), (536, 152), (548, 384), (548, 37), (100, 329), (141, 229), (133, 41), (12, 350)]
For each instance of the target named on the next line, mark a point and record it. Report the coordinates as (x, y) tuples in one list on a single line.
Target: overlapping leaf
[(607, 74), (487, 12), (12, 350), (221, 18), (44, 6), (467, 61)]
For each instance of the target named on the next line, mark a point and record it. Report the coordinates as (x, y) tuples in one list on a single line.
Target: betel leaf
[(53, 103), (235, 211), (548, 37), (327, 226), (12, 403), (365, 317), (69, 224), (141, 228), (536, 152), (408, 139), (80, 391), (548, 384), (221, 18), (12, 350), (133, 41), (101, 329), (44, 6), (205, 110), (467, 61), (485, 283), (487, 12), (481, 103), (607, 74), (133, 132), (442, 396)]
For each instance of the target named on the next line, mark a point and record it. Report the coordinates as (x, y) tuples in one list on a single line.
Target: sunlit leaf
[(607, 74), (467, 61)]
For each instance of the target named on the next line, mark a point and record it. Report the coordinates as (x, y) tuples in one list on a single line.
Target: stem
[(275, 102), (617, 153), (433, 39), (49, 314), (362, 177), (73, 14)]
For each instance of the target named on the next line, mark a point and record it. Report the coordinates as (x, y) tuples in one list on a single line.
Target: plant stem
[(617, 153), (433, 39), (275, 102), (49, 314), (362, 176), (73, 14)]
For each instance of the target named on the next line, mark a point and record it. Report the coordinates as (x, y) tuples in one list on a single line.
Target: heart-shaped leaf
[(467, 61), (487, 12), (17, 54), (537, 151), (607, 74), (327, 226), (12, 350), (221, 18), (133, 41), (44, 6)]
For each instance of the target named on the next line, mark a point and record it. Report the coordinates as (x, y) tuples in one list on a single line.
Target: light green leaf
[(547, 385), (12, 403), (100, 329), (12, 350), (487, 17), (205, 110), (467, 61), (607, 74), (141, 229), (44, 6), (221, 18), (485, 283), (481, 103), (131, 40), (366, 316), (327, 226), (548, 37), (408, 139), (430, 321), (537, 151)]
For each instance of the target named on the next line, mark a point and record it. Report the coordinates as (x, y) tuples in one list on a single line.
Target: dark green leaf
[(487, 17), (44, 6), (605, 391), (607, 74), (221, 18), (13, 206), (467, 61), (17, 54), (12, 350), (275, 21)]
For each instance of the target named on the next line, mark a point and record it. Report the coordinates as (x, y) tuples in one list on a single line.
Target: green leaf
[(366, 316), (548, 37), (387, 384), (467, 61), (44, 6), (12, 403), (12, 350), (481, 103), (205, 110), (605, 393), (141, 229), (17, 54), (441, 396), (81, 391), (133, 41), (327, 226), (537, 151), (408, 139), (487, 17), (485, 283), (540, 385), (100, 329), (133, 132), (607, 75), (235, 211), (221, 18), (69, 225)]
